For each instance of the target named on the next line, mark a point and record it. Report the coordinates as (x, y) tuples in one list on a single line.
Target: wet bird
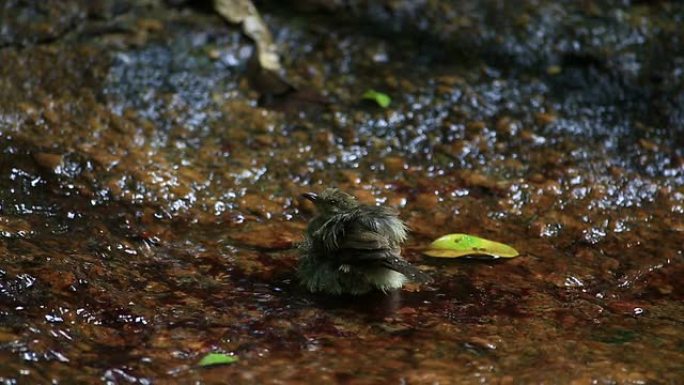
[(352, 248)]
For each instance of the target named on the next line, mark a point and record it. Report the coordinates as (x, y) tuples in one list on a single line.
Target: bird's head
[(332, 201)]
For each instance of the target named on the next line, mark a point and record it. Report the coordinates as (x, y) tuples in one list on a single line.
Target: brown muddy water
[(149, 206)]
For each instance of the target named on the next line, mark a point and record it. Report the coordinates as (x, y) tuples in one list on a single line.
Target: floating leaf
[(383, 100), (459, 245), (217, 359)]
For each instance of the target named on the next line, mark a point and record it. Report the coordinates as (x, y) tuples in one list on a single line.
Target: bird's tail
[(411, 272)]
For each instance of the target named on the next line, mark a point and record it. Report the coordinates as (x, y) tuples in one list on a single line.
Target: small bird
[(352, 248)]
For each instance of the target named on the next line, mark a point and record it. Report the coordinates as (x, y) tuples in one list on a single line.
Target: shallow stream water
[(150, 210)]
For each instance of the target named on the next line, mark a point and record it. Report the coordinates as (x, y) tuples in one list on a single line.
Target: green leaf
[(459, 245), (383, 100), (217, 359)]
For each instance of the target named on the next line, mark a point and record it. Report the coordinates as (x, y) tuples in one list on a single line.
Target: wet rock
[(394, 164), (59, 280), (481, 344), (261, 205), (271, 236), (48, 161), (475, 179), (579, 169), (14, 227), (427, 201), (544, 118), (31, 23)]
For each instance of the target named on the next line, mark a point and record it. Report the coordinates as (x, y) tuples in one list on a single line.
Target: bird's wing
[(364, 247), (338, 229), (363, 239), (332, 231)]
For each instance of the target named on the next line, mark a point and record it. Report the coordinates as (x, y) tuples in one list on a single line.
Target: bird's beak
[(310, 196)]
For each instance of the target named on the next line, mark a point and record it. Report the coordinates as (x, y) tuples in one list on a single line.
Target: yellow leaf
[(459, 245), (217, 359)]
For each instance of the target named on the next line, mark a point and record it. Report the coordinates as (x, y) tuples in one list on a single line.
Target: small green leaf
[(217, 359), (459, 245), (383, 100)]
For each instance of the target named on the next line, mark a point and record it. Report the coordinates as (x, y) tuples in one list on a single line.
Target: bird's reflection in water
[(375, 306)]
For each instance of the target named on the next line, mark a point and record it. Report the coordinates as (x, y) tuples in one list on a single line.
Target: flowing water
[(150, 210)]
